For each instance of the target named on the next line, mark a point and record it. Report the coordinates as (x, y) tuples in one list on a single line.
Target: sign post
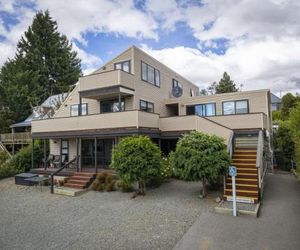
[(233, 173)]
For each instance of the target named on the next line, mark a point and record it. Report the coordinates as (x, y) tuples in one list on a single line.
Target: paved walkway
[(278, 226)]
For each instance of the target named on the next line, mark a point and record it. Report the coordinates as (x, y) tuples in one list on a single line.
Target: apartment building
[(136, 94)]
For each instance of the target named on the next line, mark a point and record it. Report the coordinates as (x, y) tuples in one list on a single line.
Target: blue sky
[(258, 45)]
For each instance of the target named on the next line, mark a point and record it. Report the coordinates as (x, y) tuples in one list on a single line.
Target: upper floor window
[(74, 109), (146, 106), (175, 83), (150, 74), (112, 106), (235, 107), (192, 92), (208, 109), (125, 66)]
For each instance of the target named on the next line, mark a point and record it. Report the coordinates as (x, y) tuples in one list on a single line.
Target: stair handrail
[(2, 146), (59, 170), (259, 157), (230, 151)]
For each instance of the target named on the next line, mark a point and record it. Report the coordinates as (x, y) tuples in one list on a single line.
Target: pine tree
[(225, 85), (44, 65)]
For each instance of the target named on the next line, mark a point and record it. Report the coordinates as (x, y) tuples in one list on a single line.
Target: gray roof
[(275, 99), (51, 102)]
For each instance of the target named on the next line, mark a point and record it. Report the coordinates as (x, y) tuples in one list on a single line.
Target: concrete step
[(242, 199), (69, 191)]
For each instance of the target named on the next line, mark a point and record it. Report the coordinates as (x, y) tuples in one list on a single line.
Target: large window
[(125, 66), (150, 74), (74, 109), (208, 109), (111, 106), (146, 106), (65, 151), (235, 107)]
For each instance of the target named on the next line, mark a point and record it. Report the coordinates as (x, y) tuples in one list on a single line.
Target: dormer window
[(125, 66), (175, 83)]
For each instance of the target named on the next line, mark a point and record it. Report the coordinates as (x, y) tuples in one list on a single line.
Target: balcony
[(92, 124), (193, 122), (16, 138), (108, 84), (243, 121)]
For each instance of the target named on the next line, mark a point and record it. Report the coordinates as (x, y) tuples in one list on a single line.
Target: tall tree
[(226, 85), (45, 64), (288, 102)]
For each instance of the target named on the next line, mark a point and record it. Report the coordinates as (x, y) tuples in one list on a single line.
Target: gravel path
[(31, 219)]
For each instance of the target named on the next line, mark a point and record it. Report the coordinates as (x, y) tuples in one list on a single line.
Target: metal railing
[(21, 137), (60, 169), (259, 158), (230, 148)]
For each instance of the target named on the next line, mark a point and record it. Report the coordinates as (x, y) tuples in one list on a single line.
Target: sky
[(257, 42)]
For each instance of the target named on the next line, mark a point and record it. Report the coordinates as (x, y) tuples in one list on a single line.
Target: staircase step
[(243, 186), (245, 193), (81, 178), (245, 165), (80, 182), (240, 156), (78, 186), (68, 191), (243, 181), (247, 170), (84, 174), (244, 160)]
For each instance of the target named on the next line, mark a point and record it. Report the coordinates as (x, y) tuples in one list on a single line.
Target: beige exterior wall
[(258, 102), (192, 122), (151, 93), (54, 147)]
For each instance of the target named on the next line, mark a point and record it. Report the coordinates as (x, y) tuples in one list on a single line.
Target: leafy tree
[(137, 159), (288, 102), (200, 157), (283, 145), (225, 85), (44, 65)]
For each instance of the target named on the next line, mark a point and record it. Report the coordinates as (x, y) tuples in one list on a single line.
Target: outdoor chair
[(56, 161), (49, 160)]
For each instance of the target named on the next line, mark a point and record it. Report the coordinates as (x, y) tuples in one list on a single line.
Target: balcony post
[(44, 145), (120, 102), (95, 154), (13, 142), (80, 106), (32, 154), (60, 153), (77, 154), (80, 154)]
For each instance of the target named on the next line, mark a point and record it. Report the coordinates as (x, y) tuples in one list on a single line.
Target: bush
[(199, 156), (124, 186), (166, 171), (283, 146), (104, 182), (137, 159), (3, 157), (21, 162)]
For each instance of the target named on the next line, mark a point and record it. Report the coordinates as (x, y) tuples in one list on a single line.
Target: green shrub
[(200, 157), (21, 162), (166, 171), (3, 157), (137, 159), (104, 182), (124, 186)]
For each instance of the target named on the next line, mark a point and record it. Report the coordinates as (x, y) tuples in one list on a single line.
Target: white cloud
[(255, 65)]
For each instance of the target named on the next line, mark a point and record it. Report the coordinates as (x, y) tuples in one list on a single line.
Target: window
[(235, 107), (111, 106), (192, 93), (146, 106), (65, 150), (150, 74), (208, 109), (175, 83), (75, 109), (125, 66)]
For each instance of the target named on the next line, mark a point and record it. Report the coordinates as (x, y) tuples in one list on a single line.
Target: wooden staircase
[(80, 180), (247, 189)]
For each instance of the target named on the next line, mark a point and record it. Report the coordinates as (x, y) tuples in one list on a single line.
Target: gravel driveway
[(31, 219)]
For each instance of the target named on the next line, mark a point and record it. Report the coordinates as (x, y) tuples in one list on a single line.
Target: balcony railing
[(106, 79), (16, 138), (126, 119)]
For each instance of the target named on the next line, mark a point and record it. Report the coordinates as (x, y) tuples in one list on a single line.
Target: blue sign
[(232, 171)]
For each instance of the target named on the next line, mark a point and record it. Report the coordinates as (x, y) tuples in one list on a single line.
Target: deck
[(69, 171)]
